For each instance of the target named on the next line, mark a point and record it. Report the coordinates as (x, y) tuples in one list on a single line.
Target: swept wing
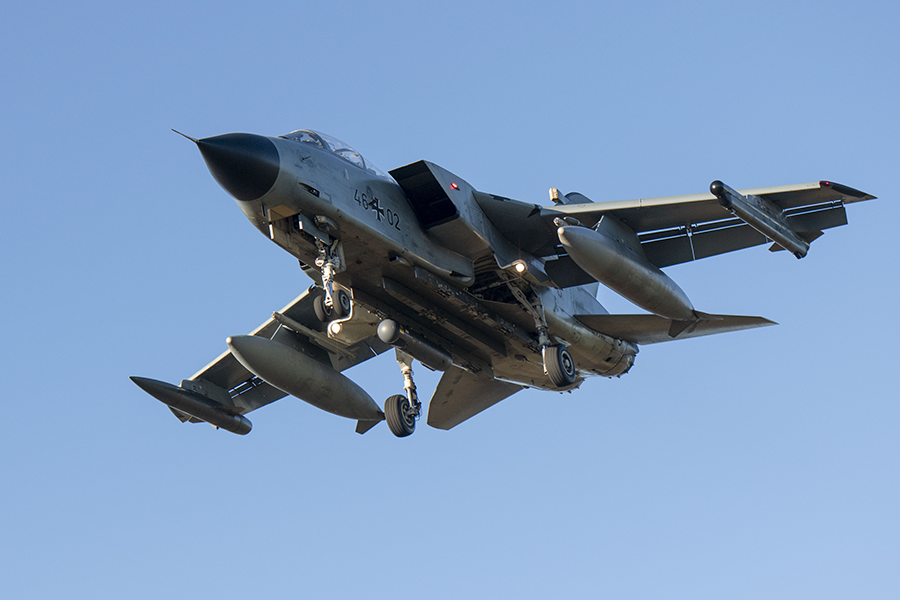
[(235, 390), (672, 229)]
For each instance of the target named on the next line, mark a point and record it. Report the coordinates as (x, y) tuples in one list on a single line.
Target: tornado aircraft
[(497, 294)]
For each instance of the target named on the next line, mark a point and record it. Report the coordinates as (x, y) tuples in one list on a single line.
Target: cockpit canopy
[(326, 142)]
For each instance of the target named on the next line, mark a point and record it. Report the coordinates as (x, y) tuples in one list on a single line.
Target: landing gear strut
[(334, 304), (558, 362), (400, 411)]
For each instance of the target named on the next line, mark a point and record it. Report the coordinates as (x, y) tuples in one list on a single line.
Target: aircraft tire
[(324, 313), (560, 365), (339, 310), (396, 413), (342, 304)]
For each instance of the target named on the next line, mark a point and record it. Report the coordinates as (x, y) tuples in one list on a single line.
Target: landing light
[(520, 267), (335, 328)]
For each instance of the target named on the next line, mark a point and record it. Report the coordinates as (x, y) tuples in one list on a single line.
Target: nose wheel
[(338, 308), (401, 412)]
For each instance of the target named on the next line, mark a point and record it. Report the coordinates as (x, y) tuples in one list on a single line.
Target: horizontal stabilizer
[(461, 395), (651, 329)]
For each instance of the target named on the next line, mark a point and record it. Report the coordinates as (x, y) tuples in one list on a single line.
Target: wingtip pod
[(194, 404)]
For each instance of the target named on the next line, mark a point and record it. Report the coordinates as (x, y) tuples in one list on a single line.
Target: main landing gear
[(560, 365), (558, 362), (400, 411)]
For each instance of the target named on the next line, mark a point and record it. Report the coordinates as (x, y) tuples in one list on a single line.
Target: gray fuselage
[(449, 283)]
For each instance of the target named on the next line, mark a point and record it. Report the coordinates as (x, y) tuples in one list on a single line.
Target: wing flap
[(651, 329), (461, 395), (818, 219)]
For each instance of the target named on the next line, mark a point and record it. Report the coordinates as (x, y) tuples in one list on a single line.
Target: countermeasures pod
[(763, 216)]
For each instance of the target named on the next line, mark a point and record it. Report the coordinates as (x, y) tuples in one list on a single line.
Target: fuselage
[(450, 281)]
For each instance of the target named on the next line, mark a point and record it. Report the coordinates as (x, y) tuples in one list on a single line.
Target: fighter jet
[(498, 294)]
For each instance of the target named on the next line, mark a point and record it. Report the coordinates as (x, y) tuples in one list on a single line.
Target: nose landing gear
[(336, 303), (338, 308)]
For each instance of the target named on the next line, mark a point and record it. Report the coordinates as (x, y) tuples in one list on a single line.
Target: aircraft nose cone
[(246, 165)]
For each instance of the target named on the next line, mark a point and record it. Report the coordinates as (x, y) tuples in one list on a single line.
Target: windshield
[(326, 142)]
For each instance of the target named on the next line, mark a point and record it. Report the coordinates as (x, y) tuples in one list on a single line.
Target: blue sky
[(755, 464)]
